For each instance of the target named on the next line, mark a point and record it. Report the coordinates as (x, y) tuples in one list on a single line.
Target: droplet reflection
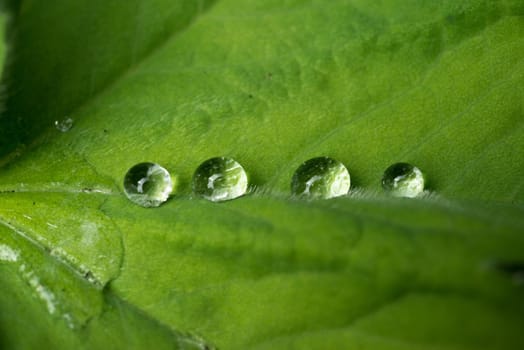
[(321, 177), (64, 125), (403, 180), (148, 184), (220, 179)]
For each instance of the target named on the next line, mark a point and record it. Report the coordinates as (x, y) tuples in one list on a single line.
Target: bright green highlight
[(321, 177)]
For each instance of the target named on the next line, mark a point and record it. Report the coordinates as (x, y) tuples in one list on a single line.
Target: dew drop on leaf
[(403, 180), (64, 125), (148, 184), (220, 179), (321, 177)]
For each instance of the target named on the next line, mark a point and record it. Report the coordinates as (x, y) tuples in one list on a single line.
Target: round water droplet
[(64, 125), (148, 184), (321, 177), (403, 180), (220, 179)]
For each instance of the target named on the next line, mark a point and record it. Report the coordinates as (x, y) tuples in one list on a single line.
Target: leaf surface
[(273, 83)]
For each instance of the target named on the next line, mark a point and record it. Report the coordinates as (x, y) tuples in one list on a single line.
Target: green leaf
[(271, 84)]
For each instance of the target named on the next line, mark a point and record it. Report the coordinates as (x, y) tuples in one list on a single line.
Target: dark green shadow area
[(48, 57)]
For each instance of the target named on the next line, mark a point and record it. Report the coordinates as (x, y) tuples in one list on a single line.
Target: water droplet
[(148, 184), (220, 179), (321, 177), (64, 125), (403, 180)]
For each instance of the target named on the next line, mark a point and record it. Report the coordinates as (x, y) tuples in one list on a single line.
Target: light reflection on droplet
[(220, 179), (64, 125), (321, 177), (148, 184), (403, 180)]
